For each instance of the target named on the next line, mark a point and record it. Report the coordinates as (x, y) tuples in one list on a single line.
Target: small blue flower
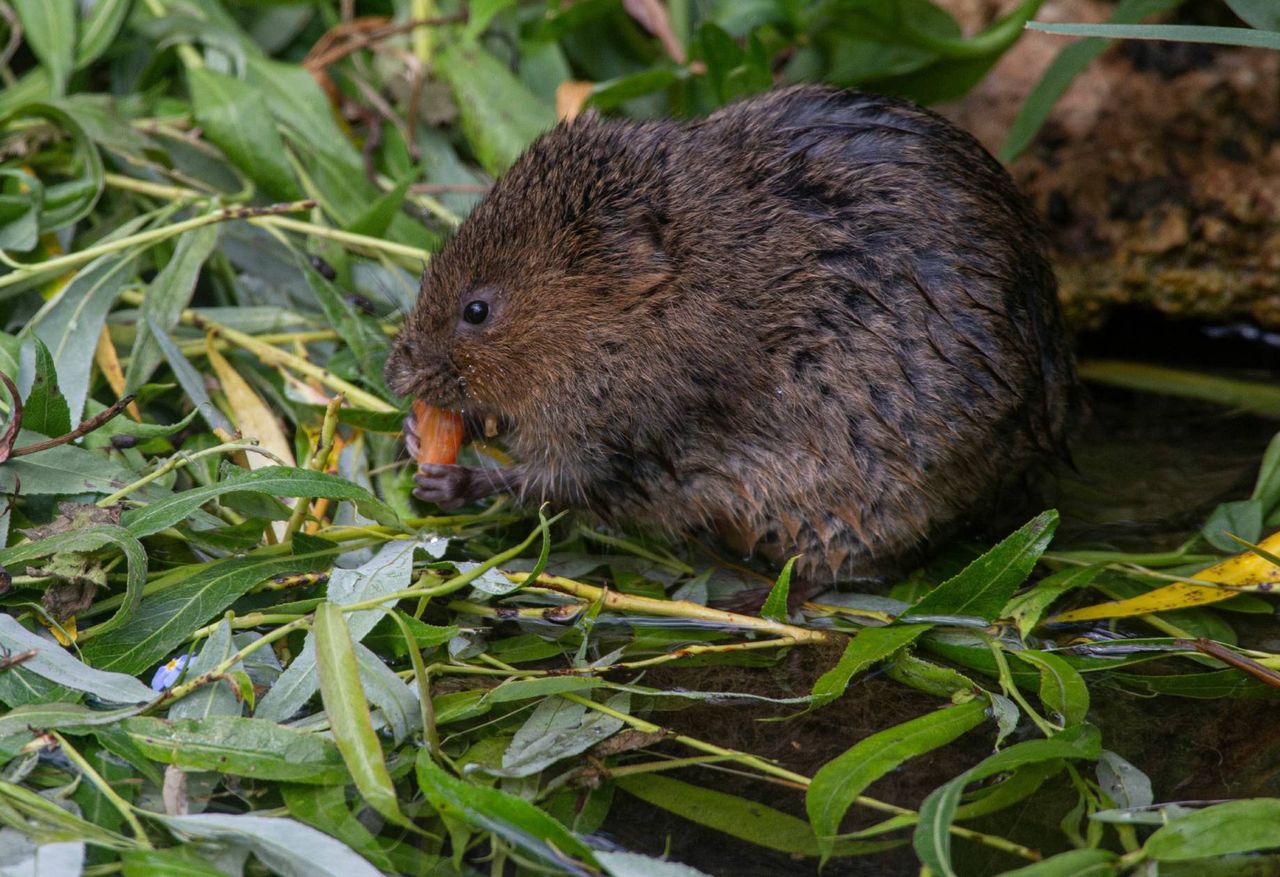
[(169, 673)]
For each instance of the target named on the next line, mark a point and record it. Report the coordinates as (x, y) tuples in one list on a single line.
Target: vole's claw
[(445, 485)]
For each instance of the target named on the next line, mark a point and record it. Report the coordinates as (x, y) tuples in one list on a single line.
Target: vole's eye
[(476, 312)]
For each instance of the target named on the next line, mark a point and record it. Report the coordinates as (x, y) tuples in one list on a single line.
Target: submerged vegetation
[(232, 642)]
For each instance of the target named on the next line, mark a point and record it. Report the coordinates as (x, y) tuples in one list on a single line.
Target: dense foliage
[(234, 643)]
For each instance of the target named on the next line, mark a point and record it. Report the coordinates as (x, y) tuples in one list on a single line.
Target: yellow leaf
[(1243, 572), (250, 414), (254, 420), (69, 626), (570, 96), (109, 362)]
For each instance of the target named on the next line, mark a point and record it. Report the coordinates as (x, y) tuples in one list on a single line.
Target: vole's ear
[(651, 266)]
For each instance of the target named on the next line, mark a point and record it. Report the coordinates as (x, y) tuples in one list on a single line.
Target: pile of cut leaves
[(233, 644)]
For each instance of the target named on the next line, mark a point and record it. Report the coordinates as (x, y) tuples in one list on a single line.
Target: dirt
[(1158, 171)]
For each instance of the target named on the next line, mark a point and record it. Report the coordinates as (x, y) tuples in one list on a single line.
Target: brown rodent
[(816, 322)]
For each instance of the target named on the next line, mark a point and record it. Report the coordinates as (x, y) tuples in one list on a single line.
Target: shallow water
[(1149, 469)]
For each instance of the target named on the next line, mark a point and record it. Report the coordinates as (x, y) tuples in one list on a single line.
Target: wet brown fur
[(816, 322)]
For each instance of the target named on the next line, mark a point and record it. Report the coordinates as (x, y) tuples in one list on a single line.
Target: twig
[(15, 419), (85, 427), (674, 609), (147, 238)]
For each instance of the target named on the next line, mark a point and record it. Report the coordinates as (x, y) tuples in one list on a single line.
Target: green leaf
[(775, 605), (49, 27), (746, 820), (181, 861), (366, 341), (70, 323), (1028, 608), (21, 197), (98, 30), (612, 93), (166, 296), (1183, 33), (62, 715), (1062, 688), (270, 481), (45, 410), (1241, 518), (61, 470), (88, 539), (240, 746), (377, 217), (183, 600), (80, 178), (1262, 14), (1221, 830), (217, 699), (1127, 786), (1267, 488), (871, 645), (480, 13), (1069, 64), (348, 712), (54, 663), (191, 381), (387, 572), (933, 836), (1073, 863), (499, 116), (524, 689), (558, 729), (722, 54), (983, 587), (513, 819), (235, 118), (839, 782), (325, 808), (285, 847)]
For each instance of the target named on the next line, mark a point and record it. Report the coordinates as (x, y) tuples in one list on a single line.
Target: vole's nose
[(429, 376)]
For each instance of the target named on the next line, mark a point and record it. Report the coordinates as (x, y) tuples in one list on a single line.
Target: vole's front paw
[(447, 486)]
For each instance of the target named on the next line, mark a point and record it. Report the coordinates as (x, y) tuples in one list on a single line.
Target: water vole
[(816, 322)]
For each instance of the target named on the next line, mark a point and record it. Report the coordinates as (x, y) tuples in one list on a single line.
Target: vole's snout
[(420, 374)]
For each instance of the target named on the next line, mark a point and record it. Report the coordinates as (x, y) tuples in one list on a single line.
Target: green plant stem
[(143, 239), (620, 602), (798, 781), (155, 190), (316, 462), (180, 691), (457, 582), (182, 458), (417, 255), (1011, 690), (123, 806), (422, 676)]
